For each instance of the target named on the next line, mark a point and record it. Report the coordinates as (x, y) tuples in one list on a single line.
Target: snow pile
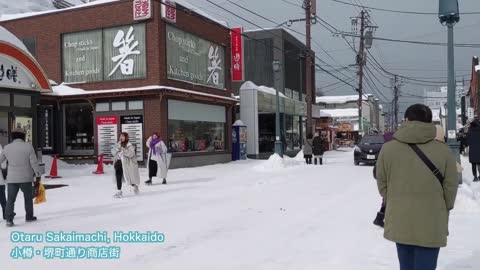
[(275, 162)]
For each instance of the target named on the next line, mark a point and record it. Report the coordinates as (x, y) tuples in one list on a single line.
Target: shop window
[(119, 106), (195, 127), (30, 44), (102, 107), (22, 101), (79, 136), (196, 136), (135, 105), (5, 99)]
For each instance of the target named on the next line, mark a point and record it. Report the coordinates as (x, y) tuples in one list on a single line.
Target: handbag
[(428, 162)]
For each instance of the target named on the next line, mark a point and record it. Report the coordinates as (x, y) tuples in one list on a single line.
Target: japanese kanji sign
[(142, 9), (237, 54), (169, 11)]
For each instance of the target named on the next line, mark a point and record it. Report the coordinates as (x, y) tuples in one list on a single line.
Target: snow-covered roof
[(65, 90), (36, 8), (8, 37), (339, 113), (339, 99), (8, 17), (248, 85)]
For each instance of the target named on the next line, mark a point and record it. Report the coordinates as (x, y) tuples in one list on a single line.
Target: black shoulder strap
[(427, 162)]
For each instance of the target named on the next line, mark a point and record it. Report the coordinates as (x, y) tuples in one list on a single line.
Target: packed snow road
[(276, 214)]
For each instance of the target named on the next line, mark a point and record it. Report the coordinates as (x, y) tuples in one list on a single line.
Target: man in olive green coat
[(418, 204)]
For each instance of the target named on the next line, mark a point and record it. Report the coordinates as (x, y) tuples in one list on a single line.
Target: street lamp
[(278, 142), (449, 15)]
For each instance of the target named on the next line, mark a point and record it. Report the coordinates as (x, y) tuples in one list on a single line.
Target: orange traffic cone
[(54, 169), (100, 166)]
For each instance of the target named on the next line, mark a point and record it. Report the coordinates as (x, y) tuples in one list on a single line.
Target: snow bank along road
[(255, 215)]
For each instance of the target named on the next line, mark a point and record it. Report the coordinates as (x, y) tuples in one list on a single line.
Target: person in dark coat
[(317, 149), (473, 141), (379, 219), (307, 149)]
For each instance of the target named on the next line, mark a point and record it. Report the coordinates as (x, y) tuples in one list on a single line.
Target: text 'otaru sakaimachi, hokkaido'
[(96, 237)]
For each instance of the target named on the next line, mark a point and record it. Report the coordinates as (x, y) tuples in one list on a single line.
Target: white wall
[(249, 117)]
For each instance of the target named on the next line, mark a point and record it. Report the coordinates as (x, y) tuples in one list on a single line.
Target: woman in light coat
[(125, 164), (158, 156)]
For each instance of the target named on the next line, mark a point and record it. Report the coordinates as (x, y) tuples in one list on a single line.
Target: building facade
[(261, 49), (117, 72)]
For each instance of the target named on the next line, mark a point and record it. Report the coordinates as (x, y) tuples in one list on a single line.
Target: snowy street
[(244, 215)]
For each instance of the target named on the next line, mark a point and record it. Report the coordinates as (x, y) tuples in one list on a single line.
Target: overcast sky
[(403, 59)]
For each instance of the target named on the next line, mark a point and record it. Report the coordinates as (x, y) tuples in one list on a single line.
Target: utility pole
[(310, 8), (361, 62), (366, 34), (395, 92)]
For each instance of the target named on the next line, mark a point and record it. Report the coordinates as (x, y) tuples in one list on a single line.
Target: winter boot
[(10, 223), (136, 190), (321, 161), (119, 194), (31, 219), (164, 181), (148, 182), (379, 219), (475, 179)]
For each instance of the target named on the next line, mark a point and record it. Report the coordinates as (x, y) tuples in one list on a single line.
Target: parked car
[(368, 149)]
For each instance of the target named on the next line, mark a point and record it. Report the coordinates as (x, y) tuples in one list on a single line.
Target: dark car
[(368, 149)]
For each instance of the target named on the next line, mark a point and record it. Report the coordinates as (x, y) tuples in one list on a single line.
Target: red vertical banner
[(238, 72)]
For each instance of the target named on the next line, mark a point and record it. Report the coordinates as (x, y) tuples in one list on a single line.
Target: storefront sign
[(13, 75), (110, 54), (142, 9), (193, 59), (133, 125), (82, 57), (107, 135), (238, 74), (46, 119), (169, 11), (25, 123)]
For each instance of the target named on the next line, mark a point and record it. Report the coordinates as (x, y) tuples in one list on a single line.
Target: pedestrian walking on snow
[(23, 169), (417, 177), (158, 158), (473, 141), (380, 218), (317, 149), (307, 149), (126, 165)]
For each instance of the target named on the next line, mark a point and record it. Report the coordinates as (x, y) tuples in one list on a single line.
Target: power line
[(293, 4), (430, 43), (400, 11), (331, 74)]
